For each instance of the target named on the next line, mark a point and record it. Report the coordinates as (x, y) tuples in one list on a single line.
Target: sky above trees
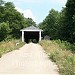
[(37, 9)]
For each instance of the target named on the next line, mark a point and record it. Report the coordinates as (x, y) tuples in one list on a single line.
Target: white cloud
[(27, 13), (18, 9)]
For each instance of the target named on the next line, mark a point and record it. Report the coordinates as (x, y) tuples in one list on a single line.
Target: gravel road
[(29, 59)]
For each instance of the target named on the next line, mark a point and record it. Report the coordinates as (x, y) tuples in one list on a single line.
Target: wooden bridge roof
[(31, 28)]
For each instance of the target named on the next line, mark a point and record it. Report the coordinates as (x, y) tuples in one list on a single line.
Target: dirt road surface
[(30, 59)]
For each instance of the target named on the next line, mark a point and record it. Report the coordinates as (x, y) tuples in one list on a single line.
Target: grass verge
[(7, 46), (60, 54)]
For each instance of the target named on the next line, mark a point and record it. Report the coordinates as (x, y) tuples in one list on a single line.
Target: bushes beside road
[(7, 46), (62, 53)]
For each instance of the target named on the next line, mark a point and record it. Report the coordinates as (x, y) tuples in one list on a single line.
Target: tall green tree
[(50, 24), (1, 10), (4, 30), (68, 28), (16, 20)]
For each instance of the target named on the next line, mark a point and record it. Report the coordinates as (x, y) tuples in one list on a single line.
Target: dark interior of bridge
[(31, 37)]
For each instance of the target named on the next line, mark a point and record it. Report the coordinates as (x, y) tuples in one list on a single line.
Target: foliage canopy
[(13, 20)]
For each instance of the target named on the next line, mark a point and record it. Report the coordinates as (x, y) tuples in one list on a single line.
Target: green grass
[(66, 45), (61, 53), (7, 46)]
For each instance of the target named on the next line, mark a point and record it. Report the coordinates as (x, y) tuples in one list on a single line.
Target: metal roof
[(31, 28)]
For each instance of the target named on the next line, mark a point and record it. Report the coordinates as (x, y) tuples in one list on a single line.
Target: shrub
[(34, 41), (59, 52), (65, 45), (9, 45)]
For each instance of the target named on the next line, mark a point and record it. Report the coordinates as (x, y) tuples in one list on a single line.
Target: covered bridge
[(31, 33)]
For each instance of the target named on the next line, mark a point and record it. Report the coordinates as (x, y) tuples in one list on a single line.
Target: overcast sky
[(37, 9)]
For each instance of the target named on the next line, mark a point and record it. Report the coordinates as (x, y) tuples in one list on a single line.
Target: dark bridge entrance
[(31, 33), (31, 36)]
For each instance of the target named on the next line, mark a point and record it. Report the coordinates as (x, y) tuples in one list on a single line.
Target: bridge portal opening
[(31, 36)]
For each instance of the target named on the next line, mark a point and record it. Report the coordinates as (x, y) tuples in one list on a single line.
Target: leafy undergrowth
[(60, 53), (7, 46)]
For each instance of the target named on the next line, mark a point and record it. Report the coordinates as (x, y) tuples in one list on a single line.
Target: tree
[(68, 27), (16, 20), (9, 5), (4, 30), (50, 24), (30, 22), (61, 24)]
